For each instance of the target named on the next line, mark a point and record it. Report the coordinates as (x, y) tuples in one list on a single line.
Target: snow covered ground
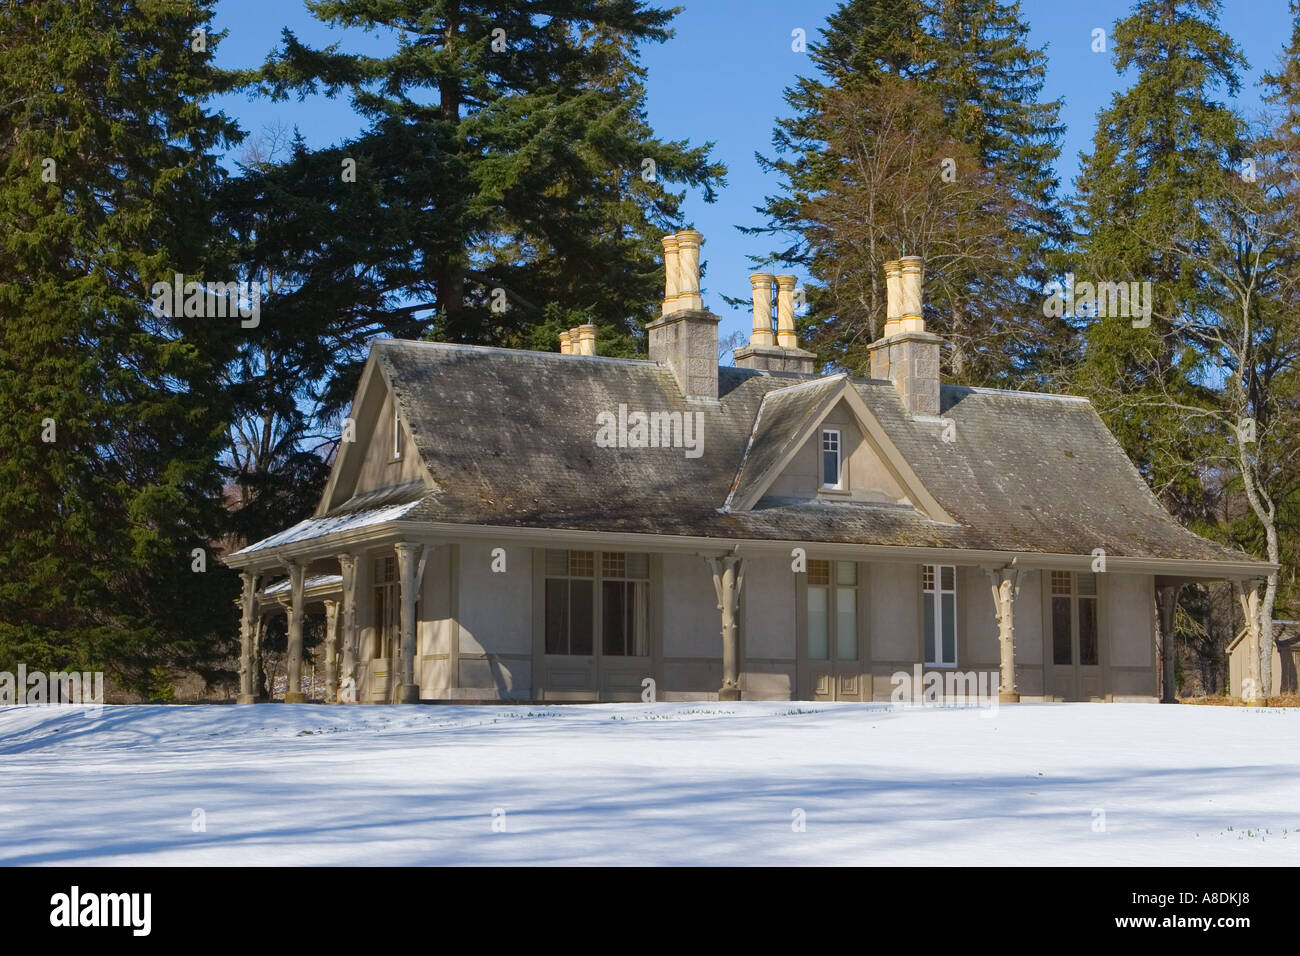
[(650, 784)]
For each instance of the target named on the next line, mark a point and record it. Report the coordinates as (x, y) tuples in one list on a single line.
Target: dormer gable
[(819, 440), (382, 453)]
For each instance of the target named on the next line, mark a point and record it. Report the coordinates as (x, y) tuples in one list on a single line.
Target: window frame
[(396, 450), (833, 588), (386, 609), (839, 458), (602, 570), (934, 593), (1075, 597)]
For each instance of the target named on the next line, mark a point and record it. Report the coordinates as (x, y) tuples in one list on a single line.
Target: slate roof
[(509, 440), (782, 417)]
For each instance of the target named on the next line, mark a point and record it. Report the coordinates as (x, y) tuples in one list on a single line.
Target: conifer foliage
[(109, 490), (971, 61), (1164, 149), (508, 143)]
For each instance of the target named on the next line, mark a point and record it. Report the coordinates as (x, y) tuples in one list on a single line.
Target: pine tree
[(893, 155), (507, 186), (1160, 154), (511, 146), (989, 81), (972, 59), (109, 424)]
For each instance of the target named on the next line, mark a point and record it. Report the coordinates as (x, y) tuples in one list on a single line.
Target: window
[(939, 590), (831, 463), (623, 583), (1074, 619), (387, 613), (574, 624), (832, 610), (397, 434)]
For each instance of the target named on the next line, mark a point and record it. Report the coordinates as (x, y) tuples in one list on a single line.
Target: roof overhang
[(438, 532)]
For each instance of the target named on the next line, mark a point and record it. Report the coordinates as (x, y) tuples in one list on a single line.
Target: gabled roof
[(785, 417), (788, 417), (1285, 634), (508, 440)]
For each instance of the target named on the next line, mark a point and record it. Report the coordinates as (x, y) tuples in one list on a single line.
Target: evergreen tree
[(507, 186), (109, 423), (891, 191), (514, 161), (308, 238), (1160, 155), (972, 59)]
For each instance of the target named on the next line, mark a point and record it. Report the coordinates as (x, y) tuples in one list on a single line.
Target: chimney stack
[(763, 352), (785, 336), (907, 354), (893, 298), (685, 336), (578, 341), (761, 282), (911, 269), (670, 274)]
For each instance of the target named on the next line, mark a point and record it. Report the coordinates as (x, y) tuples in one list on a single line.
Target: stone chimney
[(670, 273), (578, 341), (893, 296), (907, 354), (761, 283), (779, 352), (685, 337)]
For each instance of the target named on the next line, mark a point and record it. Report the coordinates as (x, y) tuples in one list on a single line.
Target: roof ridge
[(498, 350), (1022, 393), (820, 380)]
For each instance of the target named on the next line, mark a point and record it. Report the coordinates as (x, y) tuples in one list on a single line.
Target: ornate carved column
[(348, 628), (259, 669), (408, 560), (1166, 605), (248, 662), (293, 691), (728, 579), (331, 652), (1006, 587)]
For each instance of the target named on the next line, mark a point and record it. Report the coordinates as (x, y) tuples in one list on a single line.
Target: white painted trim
[(839, 459), (936, 598)]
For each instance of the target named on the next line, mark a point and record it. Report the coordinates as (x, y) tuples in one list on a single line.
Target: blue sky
[(721, 79)]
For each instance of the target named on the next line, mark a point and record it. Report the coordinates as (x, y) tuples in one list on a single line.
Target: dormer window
[(832, 459), (397, 435)]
